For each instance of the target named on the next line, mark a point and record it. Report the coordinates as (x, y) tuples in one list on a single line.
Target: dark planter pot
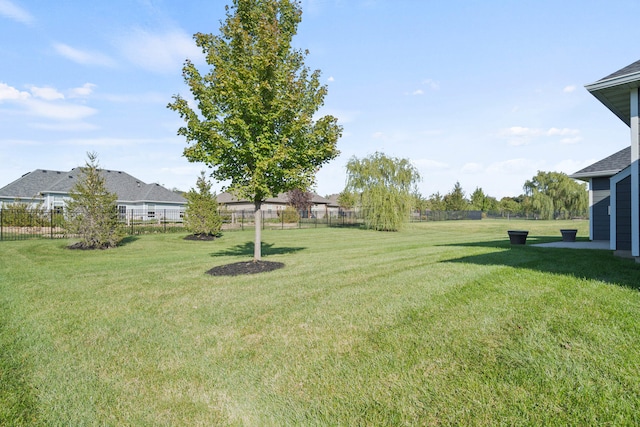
[(569, 235), (518, 237)]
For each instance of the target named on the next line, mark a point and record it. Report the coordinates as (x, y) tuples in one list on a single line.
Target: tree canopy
[(253, 119), (555, 195), (385, 185)]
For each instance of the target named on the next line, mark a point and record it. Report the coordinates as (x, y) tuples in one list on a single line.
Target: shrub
[(290, 215)]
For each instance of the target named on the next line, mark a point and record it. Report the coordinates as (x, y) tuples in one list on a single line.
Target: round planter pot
[(518, 237)]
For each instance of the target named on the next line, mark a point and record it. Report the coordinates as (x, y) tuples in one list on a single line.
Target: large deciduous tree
[(555, 195), (92, 213), (253, 118), (385, 185)]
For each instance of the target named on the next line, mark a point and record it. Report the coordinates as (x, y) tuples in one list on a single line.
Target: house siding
[(623, 214), (600, 210)]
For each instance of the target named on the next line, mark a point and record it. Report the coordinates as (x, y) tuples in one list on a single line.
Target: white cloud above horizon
[(45, 102), (84, 57), (16, 13), (159, 52), (518, 135)]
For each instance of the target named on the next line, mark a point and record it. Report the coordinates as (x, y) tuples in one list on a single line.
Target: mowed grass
[(443, 323)]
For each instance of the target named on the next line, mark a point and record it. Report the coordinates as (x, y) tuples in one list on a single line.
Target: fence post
[(1, 224), (51, 223), (242, 221), (165, 220)]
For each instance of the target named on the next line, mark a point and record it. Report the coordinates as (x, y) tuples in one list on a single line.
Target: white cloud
[(512, 166), (429, 164), (12, 94), (45, 102), (46, 93), (59, 111), (82, 91), (377, 135), (520, 131), (65, 126), (569, 89), (431, 84), (518, 135), (83, 57), (418, 92), (562, 132), (161, 53), (472, 167), (18, 14), (331, 79)]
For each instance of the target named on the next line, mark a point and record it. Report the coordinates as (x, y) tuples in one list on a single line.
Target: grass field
[(441, 324)]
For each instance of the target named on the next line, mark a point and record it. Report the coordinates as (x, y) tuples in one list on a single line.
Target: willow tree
[(253, 118), (385, 185), (555, 195)]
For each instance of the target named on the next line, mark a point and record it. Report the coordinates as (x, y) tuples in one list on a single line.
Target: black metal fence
[(24, 223), (21, 223)]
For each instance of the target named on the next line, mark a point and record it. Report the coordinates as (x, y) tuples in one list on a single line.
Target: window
[(151, 211)]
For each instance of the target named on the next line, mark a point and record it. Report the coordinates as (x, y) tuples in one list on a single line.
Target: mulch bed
[(245, 267)]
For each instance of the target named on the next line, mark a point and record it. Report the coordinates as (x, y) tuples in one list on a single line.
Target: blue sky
[(481, 92)]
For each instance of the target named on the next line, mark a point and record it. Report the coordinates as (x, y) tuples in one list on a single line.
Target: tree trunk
[(257, 220)]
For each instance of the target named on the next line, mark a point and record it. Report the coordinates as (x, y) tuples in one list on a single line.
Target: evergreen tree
[(436, 202), (455, 200), (201, 216), (92, 213)]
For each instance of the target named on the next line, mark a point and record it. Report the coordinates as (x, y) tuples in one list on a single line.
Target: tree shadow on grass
[(128, 240), (591, 264), (246, 249)]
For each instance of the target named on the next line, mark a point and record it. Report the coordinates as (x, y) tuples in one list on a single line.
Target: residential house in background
[(320, 206), (51, 189), (620, 93), (599, 175)]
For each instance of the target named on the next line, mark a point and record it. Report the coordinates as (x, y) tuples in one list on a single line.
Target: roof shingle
[(127, 188), (606, 167)]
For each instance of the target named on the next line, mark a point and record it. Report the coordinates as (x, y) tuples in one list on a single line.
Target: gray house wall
[(623, 214), (600, 210)]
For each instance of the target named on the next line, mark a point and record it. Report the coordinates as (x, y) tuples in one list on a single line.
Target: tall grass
[(444, 323)]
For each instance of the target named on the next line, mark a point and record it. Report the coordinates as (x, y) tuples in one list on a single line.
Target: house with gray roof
[(320, 206), (620, 93), (51, 189), (599, 175)]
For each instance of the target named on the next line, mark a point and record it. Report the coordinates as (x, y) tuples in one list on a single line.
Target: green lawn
[(441, 324)]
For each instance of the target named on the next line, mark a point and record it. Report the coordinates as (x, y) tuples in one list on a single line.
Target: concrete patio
[(594, 244)]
